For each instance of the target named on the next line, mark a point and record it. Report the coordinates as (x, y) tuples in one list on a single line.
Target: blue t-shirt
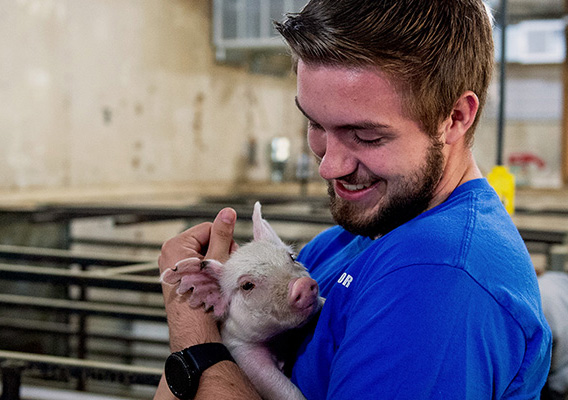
[(445, 306)]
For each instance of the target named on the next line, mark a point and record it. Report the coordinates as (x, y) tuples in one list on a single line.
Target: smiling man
[(430, 291)]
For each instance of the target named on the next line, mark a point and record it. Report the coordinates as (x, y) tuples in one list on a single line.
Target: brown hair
[(433, 50)]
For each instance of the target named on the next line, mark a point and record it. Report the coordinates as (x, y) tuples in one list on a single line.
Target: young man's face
[(382, 169)]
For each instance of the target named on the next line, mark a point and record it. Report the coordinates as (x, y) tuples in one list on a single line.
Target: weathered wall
[(127, 92), (97, 92)]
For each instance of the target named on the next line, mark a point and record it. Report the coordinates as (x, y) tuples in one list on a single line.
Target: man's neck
[(458, 170)]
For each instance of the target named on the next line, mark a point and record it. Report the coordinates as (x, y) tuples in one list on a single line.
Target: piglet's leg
[(261, 368), (200, 279), (182, 268)]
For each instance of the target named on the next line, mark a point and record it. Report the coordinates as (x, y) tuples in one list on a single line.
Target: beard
[(408, 198)]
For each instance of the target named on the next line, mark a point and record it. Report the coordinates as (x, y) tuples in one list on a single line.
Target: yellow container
[(504, 184)]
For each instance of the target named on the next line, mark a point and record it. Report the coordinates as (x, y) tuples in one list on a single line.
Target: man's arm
[(189, 326)]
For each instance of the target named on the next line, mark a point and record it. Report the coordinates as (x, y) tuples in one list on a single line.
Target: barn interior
[(127, 121)]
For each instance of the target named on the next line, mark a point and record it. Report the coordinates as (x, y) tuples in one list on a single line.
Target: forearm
[(224, 380), (187, 326)]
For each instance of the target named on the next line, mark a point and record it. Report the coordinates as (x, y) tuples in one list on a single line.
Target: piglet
[(258, 295)]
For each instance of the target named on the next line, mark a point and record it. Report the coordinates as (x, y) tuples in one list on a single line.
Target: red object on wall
[(524, 159)]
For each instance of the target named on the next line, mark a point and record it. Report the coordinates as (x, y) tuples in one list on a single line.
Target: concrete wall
[(98, 92), (127, 92)]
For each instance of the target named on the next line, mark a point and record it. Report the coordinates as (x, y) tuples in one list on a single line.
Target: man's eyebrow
[(365, 124)]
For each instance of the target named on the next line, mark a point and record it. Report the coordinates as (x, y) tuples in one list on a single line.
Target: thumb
[(221, 241)]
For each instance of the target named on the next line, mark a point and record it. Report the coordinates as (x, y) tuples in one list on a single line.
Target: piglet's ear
[(200, 279), (261, 229)]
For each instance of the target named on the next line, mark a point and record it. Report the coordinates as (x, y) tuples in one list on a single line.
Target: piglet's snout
[(302, 292)]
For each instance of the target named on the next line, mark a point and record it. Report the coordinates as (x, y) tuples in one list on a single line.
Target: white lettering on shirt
[(345, 279)]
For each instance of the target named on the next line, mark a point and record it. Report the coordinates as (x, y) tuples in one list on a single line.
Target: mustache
[(356, 178), (350, 179)]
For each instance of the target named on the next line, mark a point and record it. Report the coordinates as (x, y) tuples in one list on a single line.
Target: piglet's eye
[(247, 286), (293, 257)]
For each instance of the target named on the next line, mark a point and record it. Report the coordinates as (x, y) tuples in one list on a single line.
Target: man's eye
[(367, 142), (247, 286)]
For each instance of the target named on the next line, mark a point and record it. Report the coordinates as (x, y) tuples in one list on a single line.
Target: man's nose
[(337, 159)]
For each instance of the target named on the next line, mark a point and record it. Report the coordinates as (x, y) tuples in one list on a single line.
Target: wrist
[(183, 369), (188, 326)]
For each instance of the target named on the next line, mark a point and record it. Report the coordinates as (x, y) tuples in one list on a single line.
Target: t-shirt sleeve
[(426, 332)]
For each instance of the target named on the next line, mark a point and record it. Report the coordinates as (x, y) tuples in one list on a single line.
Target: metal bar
[(131, 269), (82, 333), (90, 278), (564, 138), (209, 213), (562, 212), (250, 199), (61, 329), (85, 308), (11, 379), (67, 256), (127, 374), (503, 73), (550, 237), (135, 244), (116, 243)]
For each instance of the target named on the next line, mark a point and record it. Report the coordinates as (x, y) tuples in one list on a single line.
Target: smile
[(355, 192), (360, 186)]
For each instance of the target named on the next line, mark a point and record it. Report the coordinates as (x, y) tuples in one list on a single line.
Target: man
[(430, 292)]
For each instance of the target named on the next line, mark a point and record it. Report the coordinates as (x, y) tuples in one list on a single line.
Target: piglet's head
[(269, 290), (259, 292)]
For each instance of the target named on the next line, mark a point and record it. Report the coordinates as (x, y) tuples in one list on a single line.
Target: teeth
[(356, 187)]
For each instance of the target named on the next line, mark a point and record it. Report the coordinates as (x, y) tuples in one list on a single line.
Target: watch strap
[(207, 354), (183, 369)]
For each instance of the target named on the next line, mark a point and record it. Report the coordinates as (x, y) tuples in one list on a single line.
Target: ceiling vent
[(534, 42), (243, 32)]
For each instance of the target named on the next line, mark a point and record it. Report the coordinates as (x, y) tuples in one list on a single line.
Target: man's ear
[(462, 117)]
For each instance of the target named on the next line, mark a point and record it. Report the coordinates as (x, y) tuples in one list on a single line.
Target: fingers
[(191, 243), (212, 240), (221, 242)]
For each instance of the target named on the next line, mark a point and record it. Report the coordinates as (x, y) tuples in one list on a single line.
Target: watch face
[(178, 376)]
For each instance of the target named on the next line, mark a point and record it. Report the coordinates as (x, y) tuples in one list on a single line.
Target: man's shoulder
[(470, 223)]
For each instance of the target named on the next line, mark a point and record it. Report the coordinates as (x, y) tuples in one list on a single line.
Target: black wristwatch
[(184, 368)]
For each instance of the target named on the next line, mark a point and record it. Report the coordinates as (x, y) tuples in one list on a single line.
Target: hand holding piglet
[(189, 326), (260, 292)]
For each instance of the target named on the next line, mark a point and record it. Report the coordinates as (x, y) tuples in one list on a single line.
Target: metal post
[(11, 379), (503, 67), (82, 333)]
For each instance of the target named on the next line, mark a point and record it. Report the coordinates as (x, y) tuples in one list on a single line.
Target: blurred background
[(100, 96), (122, 122)]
